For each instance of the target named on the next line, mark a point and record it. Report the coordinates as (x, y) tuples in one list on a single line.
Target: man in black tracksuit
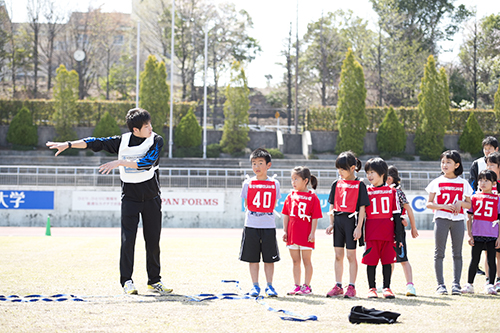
[(138, 160)]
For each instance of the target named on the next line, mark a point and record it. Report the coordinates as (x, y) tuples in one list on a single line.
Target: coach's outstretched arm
[(62, 146)]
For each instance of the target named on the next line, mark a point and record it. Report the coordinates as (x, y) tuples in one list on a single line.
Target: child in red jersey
[(383, 228), (301, 212), (348, 198), (493, 164)]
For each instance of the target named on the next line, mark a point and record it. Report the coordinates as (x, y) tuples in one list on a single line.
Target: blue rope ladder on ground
[(291, 316)]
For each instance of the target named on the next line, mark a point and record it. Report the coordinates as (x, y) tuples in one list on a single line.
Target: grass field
[(195, 261)]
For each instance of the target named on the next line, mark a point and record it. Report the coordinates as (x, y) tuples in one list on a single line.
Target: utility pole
[(297, 76)]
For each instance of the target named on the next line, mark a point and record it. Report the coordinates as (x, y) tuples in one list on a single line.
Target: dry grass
[(88, 266)]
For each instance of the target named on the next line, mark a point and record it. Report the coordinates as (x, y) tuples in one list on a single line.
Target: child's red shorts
[(376, 250)]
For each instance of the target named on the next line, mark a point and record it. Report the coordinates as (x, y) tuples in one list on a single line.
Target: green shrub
[(351, 116), (472, 137), (320, 118), (391, 136), (107, 126), (21, 131), (65, 114), (188, 152), (214, 150), (188, 132), (154, 92), (496, 107), (276, 153)]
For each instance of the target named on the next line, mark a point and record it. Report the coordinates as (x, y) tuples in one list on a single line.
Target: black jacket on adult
[(146, 190)]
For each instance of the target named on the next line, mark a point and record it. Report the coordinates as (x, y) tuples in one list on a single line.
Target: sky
[(271, 19)]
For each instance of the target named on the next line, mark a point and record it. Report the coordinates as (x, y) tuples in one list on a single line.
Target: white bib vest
[(130, 175), (481, 165)]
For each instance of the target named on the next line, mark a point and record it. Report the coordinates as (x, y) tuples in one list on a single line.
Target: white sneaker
[(129, 288), (468, 289), (490, 289), (497, 286)]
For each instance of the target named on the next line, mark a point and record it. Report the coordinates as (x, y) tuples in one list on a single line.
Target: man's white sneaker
[(160, 288), (129, 288)]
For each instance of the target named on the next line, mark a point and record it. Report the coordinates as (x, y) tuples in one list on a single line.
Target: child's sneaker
[(490, 289), (372, 293), (270, 292), (255, 291), (336, 291), (304, 290), (441, 290), (388, 293), (295, 291), (160, 288), (410, 290), (350, 292), (497, 286), (456, 290), (129, 288), (468, 289)]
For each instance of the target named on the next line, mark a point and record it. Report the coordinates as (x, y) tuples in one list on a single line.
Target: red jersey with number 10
[(261, 196), (379, 214), (485, 206), (346, 196)]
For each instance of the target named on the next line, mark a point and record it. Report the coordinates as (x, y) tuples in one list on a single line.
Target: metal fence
[(180, 177)]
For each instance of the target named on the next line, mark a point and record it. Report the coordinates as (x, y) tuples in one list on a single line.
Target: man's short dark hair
[(260, 153), (490, 141), (137, 118)]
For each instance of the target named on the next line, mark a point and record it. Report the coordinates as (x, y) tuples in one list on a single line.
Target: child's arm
[(361, 219), (398, 229), (497, 243), (469, 229), (411, 217), (314, 225), (457, 206), (286, 218), (329, 229), (432, 205)]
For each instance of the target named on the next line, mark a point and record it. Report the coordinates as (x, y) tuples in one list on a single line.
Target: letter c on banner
[(419, 204)]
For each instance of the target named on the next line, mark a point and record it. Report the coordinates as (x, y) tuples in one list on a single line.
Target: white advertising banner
[(171, 201)]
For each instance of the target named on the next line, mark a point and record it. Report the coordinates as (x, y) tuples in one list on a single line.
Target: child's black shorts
[(256, 241), (401, 253), (343, 230)]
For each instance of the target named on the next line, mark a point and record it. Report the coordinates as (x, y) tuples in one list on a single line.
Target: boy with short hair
[(490, 145), (259, 235), (138, 160)]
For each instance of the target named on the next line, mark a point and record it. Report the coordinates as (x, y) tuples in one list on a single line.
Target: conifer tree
[(472, 137), (496, 106), (235, 131), (22, 131), (391, 135), (65, 107), (351, 116), (106, 126), (433, 108), (154, 93), (188, 132)]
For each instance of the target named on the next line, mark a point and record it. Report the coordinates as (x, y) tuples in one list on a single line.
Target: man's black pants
[(151, 222)]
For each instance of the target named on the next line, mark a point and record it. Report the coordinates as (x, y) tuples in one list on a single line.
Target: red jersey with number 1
[(261, 196), (301, 208), (346, 196), (384, 203)]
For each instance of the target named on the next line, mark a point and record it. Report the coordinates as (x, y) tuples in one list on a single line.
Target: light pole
[(170, 129), (205, 96)]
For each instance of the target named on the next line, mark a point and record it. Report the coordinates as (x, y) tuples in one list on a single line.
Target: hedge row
[(323, 119), (89, 112)]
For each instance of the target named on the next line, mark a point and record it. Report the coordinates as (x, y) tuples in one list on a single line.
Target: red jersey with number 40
[(346, 196), (379, 214), (449, 193), (485, 206), (261, 196)]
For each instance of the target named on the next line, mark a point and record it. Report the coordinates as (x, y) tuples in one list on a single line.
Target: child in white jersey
[(259, 236), (301, 212), (449, 194)]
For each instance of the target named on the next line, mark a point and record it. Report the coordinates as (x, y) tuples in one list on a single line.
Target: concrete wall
[(63, 214)]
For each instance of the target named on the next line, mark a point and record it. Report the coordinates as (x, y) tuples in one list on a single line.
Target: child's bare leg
[(339, 263), (353, 266), (308, 267), (269, 271), (254, 272), (498, 267), (408, 272), (295, 254)]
